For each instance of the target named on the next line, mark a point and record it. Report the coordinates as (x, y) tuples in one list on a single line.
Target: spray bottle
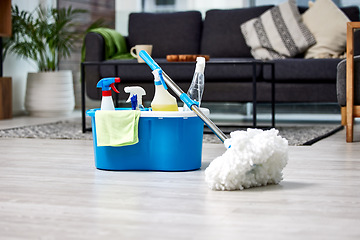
[(196, 88), (163, 100), (107, 84), (135, 92)]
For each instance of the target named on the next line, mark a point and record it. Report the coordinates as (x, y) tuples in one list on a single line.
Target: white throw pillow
[(277, 33), (328, 24)]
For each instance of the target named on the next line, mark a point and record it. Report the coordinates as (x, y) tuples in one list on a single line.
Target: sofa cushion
[(352, 12), (307, 71), (180, 35), (328, 24), (277, 33), (221, 35)]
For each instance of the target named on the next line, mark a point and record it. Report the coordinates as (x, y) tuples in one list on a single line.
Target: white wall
[(204, 5), (125, 7), (17, 68)]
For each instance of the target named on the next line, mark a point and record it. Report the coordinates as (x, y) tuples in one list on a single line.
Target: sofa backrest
[(222, 36), (352, 13), (185, 33), (169, 33)]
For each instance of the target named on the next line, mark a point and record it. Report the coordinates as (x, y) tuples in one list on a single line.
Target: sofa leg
[(343, 116), (348, 123), (349, 130)]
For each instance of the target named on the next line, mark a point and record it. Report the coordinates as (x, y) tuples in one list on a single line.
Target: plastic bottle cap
[(200, 64), (159, 77)]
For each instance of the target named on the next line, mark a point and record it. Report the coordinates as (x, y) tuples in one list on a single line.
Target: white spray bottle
[(196, 88), (139, 92), (163, 100), (106, 84)]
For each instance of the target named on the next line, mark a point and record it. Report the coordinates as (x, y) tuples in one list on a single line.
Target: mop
[(253, 158)]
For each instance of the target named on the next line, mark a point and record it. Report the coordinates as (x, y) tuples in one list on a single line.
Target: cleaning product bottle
[(196, 88), (138, 92), (163, 100), (107, 84)]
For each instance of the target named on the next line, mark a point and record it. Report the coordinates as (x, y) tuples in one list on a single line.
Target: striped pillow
[(277, 33)]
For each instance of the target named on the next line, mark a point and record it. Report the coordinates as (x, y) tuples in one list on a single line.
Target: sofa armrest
[(94, 47)]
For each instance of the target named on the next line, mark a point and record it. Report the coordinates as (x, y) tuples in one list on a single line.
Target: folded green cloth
[(117, 128), (115, 44)]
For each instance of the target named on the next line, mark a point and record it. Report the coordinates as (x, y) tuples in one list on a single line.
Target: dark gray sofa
[(218, 35), (341, 82)]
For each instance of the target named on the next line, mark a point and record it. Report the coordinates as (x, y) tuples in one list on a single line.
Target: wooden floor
[(50, 189)]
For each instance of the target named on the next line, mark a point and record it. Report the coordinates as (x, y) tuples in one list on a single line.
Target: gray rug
[(296, 136)]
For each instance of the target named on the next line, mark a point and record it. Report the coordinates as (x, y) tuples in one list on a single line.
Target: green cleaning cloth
[(117, 128), (115, 44)]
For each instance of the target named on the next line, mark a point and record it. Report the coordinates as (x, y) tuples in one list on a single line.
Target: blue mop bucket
[(168, 141)]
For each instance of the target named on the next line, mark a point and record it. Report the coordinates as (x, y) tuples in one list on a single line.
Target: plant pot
[(49, 94)]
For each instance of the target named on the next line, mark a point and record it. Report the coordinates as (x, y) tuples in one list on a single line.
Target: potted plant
[(46, 36)]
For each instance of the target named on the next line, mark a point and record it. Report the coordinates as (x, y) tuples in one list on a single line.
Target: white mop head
[(255, 158)]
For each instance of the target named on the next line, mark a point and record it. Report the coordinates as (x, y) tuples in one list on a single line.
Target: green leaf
[(45, 35)]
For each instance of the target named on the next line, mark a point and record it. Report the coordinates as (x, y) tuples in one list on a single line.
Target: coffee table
[(257, 75)]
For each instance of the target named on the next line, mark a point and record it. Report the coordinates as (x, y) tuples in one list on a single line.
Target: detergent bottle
[(196, 88), (135, 92), (106, 84), (163, 100)]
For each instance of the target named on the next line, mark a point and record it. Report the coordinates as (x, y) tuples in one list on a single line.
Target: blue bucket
[(168, 141)]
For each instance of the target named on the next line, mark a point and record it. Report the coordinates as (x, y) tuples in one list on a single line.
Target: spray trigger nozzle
[(107, 84), (114, 88), (138, 91)]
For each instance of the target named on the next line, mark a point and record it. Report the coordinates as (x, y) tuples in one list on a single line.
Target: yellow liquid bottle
[(163, 100), (159, 107)]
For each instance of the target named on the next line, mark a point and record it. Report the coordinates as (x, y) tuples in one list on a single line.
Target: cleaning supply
[(138, 92), (117, 128), (160, 135), (262, 161), (196, 88), (163, 100), (134, 102), (106, 84), (255, 158)]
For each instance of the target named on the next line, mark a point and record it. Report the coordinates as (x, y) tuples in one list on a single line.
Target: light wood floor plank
[(50, 189)]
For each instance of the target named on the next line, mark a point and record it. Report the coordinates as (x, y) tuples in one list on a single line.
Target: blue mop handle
[(146, 57), (154, 66), (183, 96)]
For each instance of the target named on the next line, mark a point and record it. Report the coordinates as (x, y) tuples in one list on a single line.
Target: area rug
[(297, 136)]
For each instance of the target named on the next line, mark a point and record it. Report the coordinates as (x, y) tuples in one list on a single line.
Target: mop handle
[(146, 57), (179, 92)]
